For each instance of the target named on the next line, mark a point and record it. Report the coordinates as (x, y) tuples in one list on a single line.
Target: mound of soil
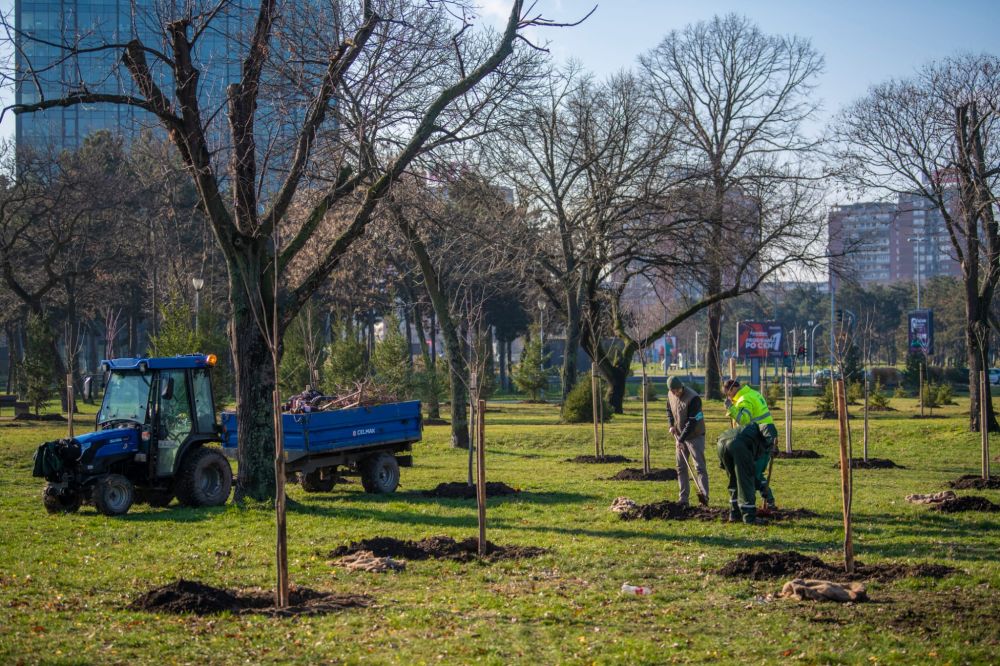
[(975, 482), (186, 596), (790, 564), (872, 463), (967, 503), (435, 422), (459, 490), (929, 416), (804, 453), (632, 474), (591, 460), (667, 510), (436, 547)]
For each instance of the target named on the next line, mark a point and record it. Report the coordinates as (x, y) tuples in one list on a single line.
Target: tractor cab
[(152, 441), (168, 400)]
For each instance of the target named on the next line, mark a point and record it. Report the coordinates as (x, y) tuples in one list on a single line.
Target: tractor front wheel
[(114, 495), (205, 478), (58, 500)]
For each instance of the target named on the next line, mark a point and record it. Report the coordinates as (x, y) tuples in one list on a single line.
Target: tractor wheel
[(155, 497), (114, 495), (315, 482), (59, 501), (380, 473), (205, 478)]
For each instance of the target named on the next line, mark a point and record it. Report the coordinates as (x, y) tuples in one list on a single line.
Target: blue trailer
[(373, 442)]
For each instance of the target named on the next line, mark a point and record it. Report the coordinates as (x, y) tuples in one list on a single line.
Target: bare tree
[(934, 139), (738, 98), (401, 77)]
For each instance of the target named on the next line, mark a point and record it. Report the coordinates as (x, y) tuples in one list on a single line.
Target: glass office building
[(45, 71)]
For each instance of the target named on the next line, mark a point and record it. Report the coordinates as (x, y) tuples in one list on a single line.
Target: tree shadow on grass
[(416, 498), (176, 514)]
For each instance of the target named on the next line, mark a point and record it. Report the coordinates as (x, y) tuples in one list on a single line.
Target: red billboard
[(761, 339)]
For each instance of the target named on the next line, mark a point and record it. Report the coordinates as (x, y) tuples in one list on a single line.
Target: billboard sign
[(761, 339), (921, 331)]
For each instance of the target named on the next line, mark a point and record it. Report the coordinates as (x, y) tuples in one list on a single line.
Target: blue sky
[(863, 42)]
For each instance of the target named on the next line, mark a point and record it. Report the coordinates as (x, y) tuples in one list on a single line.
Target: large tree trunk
[(254, 388), (572, 346), (977, 339)]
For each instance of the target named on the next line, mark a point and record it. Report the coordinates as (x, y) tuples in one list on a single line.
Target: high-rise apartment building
[(44, 71), (891, 242)]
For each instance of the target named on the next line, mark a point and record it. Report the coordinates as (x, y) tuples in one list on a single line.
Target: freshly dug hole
[(459, 490), (764, 566), (632, 474), (975, 482), (872, 463), (599, 460), (804, 453), (436, 547), (186, 596), (967, 503)]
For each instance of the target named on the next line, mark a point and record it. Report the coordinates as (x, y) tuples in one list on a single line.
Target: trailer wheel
[(59, 501), (114, 495), (380, 473), (313, 482), (205, 478)]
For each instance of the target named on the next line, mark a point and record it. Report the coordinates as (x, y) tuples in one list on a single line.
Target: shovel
[(702, 497)]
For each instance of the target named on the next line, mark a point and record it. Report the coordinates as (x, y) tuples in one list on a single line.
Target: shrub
[(878, 399), (774, 393), (37, 369), (886, 376), (900, 392), (824, 401), (345, 362), (650, 392), (945, 395), (855, 393), (579, 406), (928, 397), (391, 361)]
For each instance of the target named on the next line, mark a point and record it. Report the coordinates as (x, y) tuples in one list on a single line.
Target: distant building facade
[(891, 242), (44, 24)]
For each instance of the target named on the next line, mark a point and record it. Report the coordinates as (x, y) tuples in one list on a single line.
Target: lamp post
[(197, 283), (812, 349), (919, 240)]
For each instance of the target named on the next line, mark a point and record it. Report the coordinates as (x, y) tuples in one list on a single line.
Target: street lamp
[(197, 283), (812, 348), (919, 240)]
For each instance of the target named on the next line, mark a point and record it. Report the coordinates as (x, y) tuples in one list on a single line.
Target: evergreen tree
[(853, 368), (529, 376), (911, 375), (345, 361), (37, 370), (176, 334), (391, 361)]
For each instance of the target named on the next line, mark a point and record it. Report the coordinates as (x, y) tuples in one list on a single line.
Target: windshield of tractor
[(126, 397)]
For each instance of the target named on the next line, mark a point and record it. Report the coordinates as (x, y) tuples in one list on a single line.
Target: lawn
[(65, 580)]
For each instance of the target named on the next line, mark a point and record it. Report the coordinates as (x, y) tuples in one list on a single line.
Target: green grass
[(65, 580)]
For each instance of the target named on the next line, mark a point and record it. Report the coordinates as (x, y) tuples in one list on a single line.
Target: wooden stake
[(646, 467), (921, 390), (70, 399), (984, 423), (788, 413), (865, 446), (481, 473), (845, 474), (281, 551), (594, 413)]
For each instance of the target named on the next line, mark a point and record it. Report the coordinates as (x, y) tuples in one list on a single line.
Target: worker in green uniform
[(738, 449), (746, 407)]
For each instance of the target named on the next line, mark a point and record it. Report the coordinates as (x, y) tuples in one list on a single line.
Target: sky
[(863, 42)]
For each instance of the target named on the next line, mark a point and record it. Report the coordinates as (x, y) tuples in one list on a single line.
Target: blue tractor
[(156, 439)]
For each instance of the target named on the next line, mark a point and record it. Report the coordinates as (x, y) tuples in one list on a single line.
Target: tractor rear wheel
[(60, 501), (380, 473), (205, 478), (114, 495), (316, 482)]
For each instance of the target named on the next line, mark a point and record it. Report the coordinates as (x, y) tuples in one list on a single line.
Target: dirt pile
[(186, 596), (599, 460), (667, 510), (873, 463), (436, 547), (459, 490), (967, 503), (804, 453), (790, 564), (632, 474), (975, 482)]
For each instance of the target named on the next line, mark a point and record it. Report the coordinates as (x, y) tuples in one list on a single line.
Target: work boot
[(771, 505), (734, 516), (702, 499)]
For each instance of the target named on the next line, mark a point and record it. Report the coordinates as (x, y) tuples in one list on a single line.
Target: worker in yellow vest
[(747, 406)]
